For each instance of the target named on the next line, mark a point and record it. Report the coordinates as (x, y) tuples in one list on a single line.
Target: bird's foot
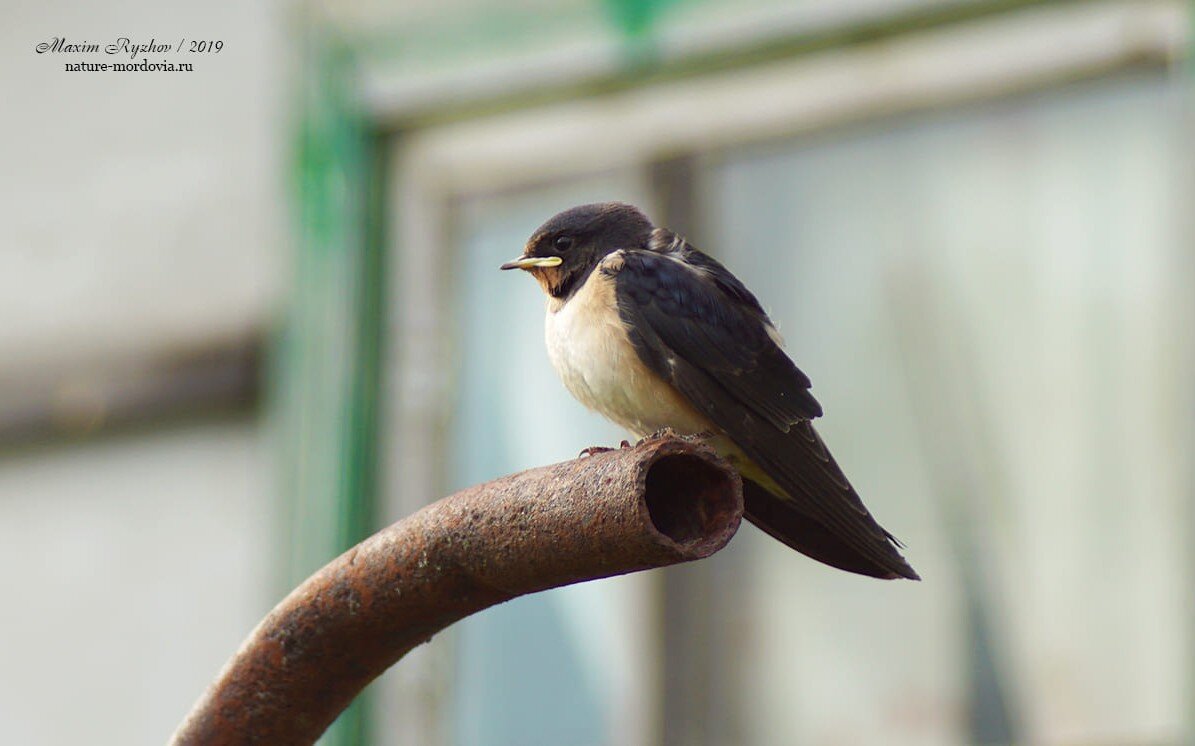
[(667, 432), (591, 450), (664, 432)]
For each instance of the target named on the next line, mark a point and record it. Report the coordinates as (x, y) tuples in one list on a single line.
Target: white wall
[(133, 568), (138, 210), (138, 207)]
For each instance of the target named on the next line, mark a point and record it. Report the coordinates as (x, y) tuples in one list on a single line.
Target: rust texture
[(661, 502)]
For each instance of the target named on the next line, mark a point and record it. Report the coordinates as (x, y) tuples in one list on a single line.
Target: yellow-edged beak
[(528, 262)]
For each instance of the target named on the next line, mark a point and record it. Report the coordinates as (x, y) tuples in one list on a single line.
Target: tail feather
[(783, 521)]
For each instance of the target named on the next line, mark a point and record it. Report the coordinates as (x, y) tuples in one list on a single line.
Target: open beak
[(528, 262)]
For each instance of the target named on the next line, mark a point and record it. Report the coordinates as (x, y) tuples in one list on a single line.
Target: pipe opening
[(688, 498)]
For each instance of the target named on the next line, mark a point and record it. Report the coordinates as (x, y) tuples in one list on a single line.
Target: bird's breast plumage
[(589, 348)]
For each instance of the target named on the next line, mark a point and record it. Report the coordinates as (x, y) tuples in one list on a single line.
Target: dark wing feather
[(711, 319), (701, 330), (783, 521)]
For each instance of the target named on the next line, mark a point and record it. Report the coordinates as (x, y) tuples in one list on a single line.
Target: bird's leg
[(664, 432), (667, 432)]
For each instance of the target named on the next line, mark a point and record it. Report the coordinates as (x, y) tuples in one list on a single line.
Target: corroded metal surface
[(659, 503)]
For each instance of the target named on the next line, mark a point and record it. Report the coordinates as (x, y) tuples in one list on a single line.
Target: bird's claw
[(591, 450)]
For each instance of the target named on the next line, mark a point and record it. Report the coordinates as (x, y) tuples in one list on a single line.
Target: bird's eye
[(563, 243)]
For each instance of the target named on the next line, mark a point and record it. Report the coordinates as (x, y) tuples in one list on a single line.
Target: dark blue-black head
[(562, 252)]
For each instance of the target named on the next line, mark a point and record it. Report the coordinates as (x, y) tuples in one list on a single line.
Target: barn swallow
[(653, 334)]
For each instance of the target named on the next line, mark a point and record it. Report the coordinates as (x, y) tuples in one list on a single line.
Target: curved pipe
[(659, 503)]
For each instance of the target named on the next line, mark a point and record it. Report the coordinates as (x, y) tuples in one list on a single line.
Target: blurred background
[(251, 313)]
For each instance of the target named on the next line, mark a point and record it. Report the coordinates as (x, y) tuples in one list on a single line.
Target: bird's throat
[(558, 282)]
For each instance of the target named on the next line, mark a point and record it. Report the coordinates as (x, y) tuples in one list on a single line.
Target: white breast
[(589, 349)]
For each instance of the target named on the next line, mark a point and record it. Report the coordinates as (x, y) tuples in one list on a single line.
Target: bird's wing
[(701, 314), (700, 329)]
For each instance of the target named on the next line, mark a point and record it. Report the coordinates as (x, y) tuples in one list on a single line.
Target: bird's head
[(563, 251)]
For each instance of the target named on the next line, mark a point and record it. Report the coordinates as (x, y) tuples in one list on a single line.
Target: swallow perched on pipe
[(653, 334)]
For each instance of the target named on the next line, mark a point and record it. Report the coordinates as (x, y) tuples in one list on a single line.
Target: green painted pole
[(325, 373)]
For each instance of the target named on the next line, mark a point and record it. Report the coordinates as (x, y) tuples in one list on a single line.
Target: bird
[(653, 334)]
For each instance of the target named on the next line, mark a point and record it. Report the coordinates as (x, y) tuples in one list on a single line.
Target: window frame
[(438, 154)]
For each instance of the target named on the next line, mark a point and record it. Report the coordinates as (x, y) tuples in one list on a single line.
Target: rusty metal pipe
[(659, 503)]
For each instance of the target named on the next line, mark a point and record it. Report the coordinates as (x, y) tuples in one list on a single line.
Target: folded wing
[(698, 327)]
